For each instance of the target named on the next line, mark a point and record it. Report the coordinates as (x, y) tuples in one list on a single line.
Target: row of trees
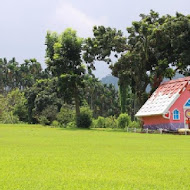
[(44, 100), (14, 75)]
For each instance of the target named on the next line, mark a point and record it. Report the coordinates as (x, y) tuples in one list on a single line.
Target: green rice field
[(40, 158)]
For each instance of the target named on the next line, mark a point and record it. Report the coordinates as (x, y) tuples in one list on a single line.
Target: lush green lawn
[(36, 158)]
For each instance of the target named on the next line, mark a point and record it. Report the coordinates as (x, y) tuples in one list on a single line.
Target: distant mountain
[(110, 79)]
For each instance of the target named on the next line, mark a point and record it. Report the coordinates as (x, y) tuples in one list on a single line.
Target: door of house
[(187, 114), (187, 118)]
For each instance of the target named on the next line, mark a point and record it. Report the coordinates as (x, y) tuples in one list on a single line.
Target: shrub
[(123, 120), (84, 120), (47, 116), (43, 120), (71, 125), (13, 107), (17, 103), (21, 111), (49, 113), (134, 124), (55, 123), (9, 118), (110, 122), (3, 107), (100, 122), (65, 115)]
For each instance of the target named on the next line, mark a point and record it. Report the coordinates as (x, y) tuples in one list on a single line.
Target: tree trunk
[(123, 96), (77, 103)]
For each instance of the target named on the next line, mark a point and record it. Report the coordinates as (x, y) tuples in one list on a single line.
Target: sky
[(24, 23)]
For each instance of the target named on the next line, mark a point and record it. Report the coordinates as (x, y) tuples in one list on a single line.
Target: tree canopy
[(63, 57), (155, 47)]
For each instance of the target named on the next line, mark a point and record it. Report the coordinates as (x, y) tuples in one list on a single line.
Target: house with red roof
[(168, 107)]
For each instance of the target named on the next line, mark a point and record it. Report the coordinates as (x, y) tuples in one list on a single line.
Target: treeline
[(155, 48), (14, 75), (41, 101)]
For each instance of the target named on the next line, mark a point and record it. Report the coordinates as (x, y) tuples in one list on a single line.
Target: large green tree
[(42, 96), (63, 57), (156, 47)]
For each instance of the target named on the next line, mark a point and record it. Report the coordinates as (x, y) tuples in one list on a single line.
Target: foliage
[(14, 75), (9, 118), (134, 124), (102, 46), (111, 122), (49, 114), (100, 122), (105, 42), (55, 123), (3, 106), (71, 125), (13, 107), (108, 122), (17, 102), (66, 115), (153, 47), (63, 58), (101, 98), (84, 120), (43, 120), (156, 47), (123, 120), (40, 96)]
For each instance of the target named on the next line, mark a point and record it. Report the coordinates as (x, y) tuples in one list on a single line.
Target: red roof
[(173, 86), (162, 99), (177, 80)]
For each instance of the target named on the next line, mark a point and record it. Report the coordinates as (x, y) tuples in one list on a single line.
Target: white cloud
[(69, 16)]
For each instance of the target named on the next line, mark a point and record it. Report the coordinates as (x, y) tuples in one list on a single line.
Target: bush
[(21, 111), (123, 120), (50, 113), (13, 107), (84, 120), (100, 122), (17, 103), (134, 124), (71, 125), (43, 120), (110, 122), (66, 115), (3, 107), (55, 123), (9, 118)]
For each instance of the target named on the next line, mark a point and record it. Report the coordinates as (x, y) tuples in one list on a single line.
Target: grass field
[(38, 158)]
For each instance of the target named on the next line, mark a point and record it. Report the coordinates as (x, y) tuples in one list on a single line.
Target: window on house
[(176, 114), (187, 103)]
